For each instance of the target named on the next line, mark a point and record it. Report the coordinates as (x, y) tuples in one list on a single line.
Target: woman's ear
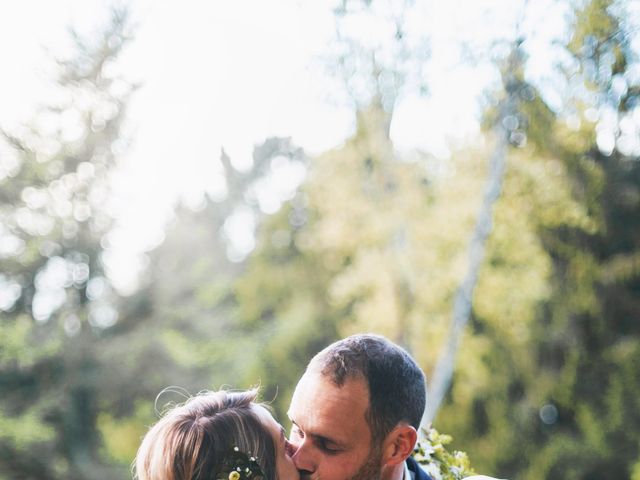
[(399, 444)]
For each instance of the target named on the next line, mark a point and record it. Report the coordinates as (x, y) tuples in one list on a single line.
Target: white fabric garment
[(407, 473)]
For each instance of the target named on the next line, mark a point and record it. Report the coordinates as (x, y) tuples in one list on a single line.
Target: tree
[(379, 250), (506, 133), (548, 397), (57, 302), (591, 342), (183, 328)]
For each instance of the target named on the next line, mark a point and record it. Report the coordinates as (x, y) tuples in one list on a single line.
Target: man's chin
[(370, 470), (363, 474)]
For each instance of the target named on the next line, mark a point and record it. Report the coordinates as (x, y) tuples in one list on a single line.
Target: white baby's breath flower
[(433, 471), (457, 472)]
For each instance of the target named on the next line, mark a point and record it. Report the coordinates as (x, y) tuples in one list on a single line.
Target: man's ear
[(399, 444)]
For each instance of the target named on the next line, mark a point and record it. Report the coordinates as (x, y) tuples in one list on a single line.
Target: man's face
[(330, 432)]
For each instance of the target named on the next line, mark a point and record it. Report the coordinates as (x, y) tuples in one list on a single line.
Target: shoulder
[(480, 477), (420, 474)]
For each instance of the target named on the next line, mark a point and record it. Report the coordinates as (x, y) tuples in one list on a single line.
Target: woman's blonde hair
[(192, 441)]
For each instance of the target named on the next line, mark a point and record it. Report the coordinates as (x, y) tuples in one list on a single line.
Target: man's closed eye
[(328, 447)]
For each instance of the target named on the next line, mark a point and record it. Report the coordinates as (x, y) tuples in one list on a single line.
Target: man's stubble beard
[(372, 467)]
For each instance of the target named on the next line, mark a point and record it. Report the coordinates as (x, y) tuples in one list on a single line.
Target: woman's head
[(196, 440)]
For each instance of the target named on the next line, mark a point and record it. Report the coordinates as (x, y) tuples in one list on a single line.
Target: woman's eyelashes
[(296, 432), (289, 449)]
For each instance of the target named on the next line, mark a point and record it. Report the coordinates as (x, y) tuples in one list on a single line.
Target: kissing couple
[(355, 414)]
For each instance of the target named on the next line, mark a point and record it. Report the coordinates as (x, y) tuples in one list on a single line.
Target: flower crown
[(238, 465)]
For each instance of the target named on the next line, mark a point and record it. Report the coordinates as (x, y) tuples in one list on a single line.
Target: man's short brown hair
[(397, 387)]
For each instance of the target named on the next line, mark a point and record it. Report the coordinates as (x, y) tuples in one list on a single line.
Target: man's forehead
[(319, 404), (315, 378), (335, 368), (317, 367)]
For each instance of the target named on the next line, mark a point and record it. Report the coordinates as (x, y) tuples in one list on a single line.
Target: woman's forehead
[(266, 418)]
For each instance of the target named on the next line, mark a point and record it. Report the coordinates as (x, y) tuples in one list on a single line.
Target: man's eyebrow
[(317, 436)]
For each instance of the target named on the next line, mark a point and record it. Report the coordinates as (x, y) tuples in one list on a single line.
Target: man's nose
[(303, 457)]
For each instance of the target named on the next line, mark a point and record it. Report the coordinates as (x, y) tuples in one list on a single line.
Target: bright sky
[(234, 73)]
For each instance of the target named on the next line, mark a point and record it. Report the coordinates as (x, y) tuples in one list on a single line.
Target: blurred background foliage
[(546, 380)]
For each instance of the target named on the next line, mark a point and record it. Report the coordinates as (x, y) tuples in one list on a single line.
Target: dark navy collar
[(419, 473)]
